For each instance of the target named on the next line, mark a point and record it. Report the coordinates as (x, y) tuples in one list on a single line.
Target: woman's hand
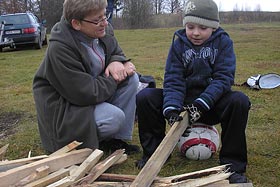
[(130, 68), (117, 70)]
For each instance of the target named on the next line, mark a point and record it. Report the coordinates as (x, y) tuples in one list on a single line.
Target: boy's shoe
[(238, 178), (115, 144)]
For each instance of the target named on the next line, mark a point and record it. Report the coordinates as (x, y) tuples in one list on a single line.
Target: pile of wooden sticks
[(71, 167)]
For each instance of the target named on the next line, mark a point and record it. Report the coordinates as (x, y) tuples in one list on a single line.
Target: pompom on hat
[(203, 12)]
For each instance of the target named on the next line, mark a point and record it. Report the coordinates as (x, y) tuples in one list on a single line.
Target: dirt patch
[(8, 122)]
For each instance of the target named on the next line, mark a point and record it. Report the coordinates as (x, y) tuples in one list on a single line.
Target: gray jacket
[(65, 92)]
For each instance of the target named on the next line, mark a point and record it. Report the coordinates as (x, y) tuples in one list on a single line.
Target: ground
[(8, 123)]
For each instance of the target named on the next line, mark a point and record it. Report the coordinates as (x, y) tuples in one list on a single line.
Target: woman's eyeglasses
[(99, 21)]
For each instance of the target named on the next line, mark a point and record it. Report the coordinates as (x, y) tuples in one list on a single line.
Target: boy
[(198, 76)]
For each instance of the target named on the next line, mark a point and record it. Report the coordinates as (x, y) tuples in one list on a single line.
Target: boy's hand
[(195, 111), (172, 116)]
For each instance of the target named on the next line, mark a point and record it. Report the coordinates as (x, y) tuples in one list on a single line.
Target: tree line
[(131, 14), (135, 13)]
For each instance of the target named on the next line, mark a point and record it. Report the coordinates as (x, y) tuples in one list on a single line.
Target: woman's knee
[(118, 119), (133, 82)]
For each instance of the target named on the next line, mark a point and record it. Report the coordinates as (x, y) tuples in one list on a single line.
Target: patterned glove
[(172, 116), (195, 111)]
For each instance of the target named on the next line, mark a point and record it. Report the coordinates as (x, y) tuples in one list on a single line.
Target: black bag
[(146, 81)]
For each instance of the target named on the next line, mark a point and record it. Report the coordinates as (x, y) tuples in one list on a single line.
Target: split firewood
[(3, 151), (199, 181), (87, 165), (193, 175), (111, 177), (108, 184), (81, 170), (38, 174), (9, 164), (12, 176), (121, 160), (223, 183), (71, 146), (51, 178), (101, 167), (148, 173)]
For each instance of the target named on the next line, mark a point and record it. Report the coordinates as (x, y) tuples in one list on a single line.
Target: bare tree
[(51, 10), (137, 13), (158, 6), (173, 6), (118, 6), (13, 6)]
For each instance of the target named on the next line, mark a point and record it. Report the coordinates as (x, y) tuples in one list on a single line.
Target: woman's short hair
[(78, 9)]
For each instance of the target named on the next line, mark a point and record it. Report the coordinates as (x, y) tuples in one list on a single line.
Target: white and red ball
[(200, 143)]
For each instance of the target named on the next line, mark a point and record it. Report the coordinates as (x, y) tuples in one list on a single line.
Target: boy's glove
[(195, 111), (172, 116)]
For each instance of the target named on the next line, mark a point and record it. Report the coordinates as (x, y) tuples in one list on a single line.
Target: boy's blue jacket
[(202, 73)]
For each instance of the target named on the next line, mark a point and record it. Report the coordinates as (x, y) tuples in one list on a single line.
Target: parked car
[(21, 29)]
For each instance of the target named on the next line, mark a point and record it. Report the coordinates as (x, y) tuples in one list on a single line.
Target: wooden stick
[(121, 160), (193, 175), (81, 170), (107, 184), (200, 181), (110, 177), (38, 174), (9, 164), (154, 164), (71, 146), (101, 167), (12, 176), (53, 177)]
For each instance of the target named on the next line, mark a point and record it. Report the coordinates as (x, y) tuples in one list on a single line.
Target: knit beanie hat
[(203, 12)]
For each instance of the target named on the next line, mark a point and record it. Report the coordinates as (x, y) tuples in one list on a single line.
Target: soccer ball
[(199, 142)]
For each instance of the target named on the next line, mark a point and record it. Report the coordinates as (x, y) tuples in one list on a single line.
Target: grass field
[(257, 48)]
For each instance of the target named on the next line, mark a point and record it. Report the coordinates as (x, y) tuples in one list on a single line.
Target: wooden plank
[(81, 170), (244, 185), (9, 164), (108, 184), (12, 176), (222, 183), (71, 146), (111, 177), (51, 178), (3, 151), (38, 174), (154, 164), (87, 165), (193, 175), (200, 181), (101, 167), (121, 160)]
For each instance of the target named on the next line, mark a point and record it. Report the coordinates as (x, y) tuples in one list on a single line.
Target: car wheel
[(45, 42), (39, 44), (1, 49)]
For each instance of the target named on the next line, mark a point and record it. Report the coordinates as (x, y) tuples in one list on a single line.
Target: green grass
[(257, 48)]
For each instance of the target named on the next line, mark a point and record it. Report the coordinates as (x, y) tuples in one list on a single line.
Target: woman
[(84, 87)]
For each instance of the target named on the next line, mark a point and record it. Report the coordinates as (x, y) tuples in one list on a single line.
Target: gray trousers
[(115, 117)]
